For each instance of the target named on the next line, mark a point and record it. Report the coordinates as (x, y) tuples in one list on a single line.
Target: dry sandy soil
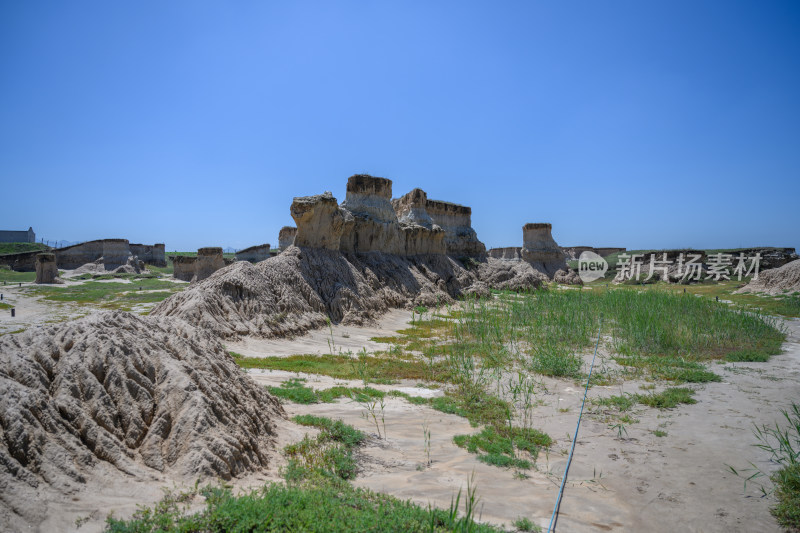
[(639, 482)]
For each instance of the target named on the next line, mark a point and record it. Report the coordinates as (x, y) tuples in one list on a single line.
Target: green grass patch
[(500, 449), (381, 369), (11, 276), (275, 507), (329, 454), (668, 398), (22, 247), (620, 403), (296, 391), (112, 295)]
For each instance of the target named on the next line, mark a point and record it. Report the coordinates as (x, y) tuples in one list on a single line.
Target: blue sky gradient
[(640, 124)]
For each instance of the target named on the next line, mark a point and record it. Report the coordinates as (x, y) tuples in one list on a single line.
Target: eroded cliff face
[(319, 221), (46, 269), (456, 221), (420, 234), (113, 252), (370, 221), (209, 260), (367, 221), (254, 254), (286, 237), (183, 267), (540, 258), (538, 243)]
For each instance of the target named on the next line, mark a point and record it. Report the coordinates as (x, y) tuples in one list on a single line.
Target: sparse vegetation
[(22, 247), (109, 295)]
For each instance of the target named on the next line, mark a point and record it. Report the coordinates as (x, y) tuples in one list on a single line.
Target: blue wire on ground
[(551, 527)]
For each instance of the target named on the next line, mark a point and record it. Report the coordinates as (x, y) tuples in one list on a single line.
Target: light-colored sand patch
[(344, 339)]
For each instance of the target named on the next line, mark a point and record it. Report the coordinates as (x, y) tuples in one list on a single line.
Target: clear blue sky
[(651, 124)]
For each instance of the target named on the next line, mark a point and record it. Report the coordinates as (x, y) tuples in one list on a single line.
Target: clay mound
[(510, 275), (118, 395), (776, 280), (302, 287)]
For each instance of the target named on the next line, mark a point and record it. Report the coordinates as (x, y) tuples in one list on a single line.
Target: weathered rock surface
[(111, 253), (299, 289), (538, 244), (46, 269), (370, 221), (150, 254), (574, 252), (209, 260), (319, 221), (420, 234), (510, 274), (509, 252), (254, 254), (456, 220), (116, 394), (183, 267), (286, 237), (540, 258), (782, 280)]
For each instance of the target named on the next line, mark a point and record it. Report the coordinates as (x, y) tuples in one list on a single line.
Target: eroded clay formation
[(539, 258), (254, 254), (352, 262), (207, 261), (574, 252), (46, 269), (119, 395), (110, 253), (456, 221), (286, 237)]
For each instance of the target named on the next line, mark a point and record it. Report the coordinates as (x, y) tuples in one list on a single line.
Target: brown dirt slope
[(119, 395), (299, 289), (776, 280)]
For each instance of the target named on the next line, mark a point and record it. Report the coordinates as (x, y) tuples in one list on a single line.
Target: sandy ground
[(31, 311), (336, 339), (639, 482)]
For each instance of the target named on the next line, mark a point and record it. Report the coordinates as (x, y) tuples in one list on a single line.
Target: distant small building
[(17, 236)]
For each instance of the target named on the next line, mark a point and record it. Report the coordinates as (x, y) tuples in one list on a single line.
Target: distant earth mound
[(776, 280)]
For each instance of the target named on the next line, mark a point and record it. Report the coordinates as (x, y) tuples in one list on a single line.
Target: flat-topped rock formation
[(183, 267), (109, 255), (286, 237), (538, 244), (209, 260), (370, 221), (509, 252), (456, 221), (110, 252), (319, 221), (366, 221), (150, 254), (46, 269), (420, 234), (254, 254), (538, 260)]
